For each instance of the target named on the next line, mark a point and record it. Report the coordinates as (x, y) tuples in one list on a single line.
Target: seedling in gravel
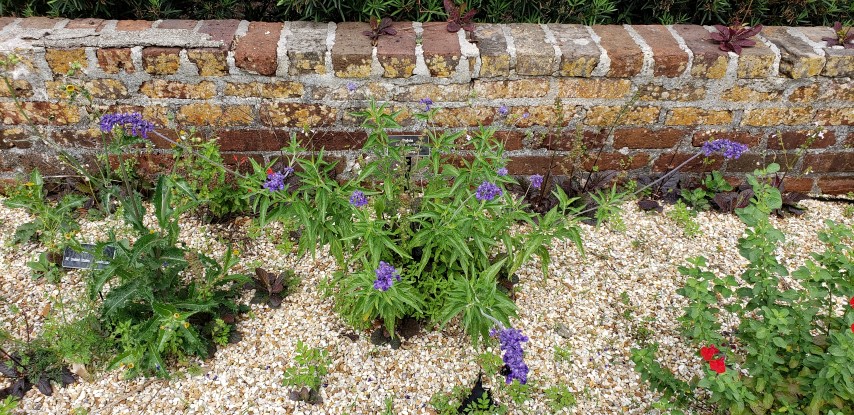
[(46, 267), (52, 224), (559, 397), (562, 353), (306, 376), (271, 288), (684, 217)]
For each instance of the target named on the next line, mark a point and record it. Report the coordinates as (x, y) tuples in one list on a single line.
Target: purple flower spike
[(536, 181), (511, 344), (503, 110), (427, 102), (487, 191), (351, 86), (386, 275), (502, 171), (358, 199), (729, 149), (275, 181), (138, 126)]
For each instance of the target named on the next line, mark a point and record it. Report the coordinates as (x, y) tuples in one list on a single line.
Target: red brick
[(495, 59), (161, 61), (798, 184), (397, 53), (669, 59), (133, 25), (15, 138), (567, 140), (836, 186), (648, 138), (709, 60), (87, 23), (794, 139), (830, 162), (747, 163), (512, 139), (38, 23), (177, 24), (306, 48), (298, 115), (441, 50), (744, 137), (351, 54), (668, 161), (626, 56), (220, 31), (615, 161), (112, 60), (26, 162), (797, 58), (253, 140), (333, 140), (256, 51), (839, 62)]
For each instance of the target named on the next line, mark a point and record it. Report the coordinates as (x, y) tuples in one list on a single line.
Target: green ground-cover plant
[(795, 345), (52, 224)]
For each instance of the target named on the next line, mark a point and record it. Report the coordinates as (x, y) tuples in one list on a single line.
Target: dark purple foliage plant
[(458, 17), (844, 37), (735, 37)]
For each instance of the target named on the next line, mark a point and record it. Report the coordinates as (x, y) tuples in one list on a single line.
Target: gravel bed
[(580, 306)]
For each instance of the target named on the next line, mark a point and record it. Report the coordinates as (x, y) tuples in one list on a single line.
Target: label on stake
[(84, 260)]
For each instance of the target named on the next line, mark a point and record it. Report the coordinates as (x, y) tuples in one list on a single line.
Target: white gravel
[(582, 296)]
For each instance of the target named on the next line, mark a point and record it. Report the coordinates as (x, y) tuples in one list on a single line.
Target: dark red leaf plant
[(844, 37), (736, 36)]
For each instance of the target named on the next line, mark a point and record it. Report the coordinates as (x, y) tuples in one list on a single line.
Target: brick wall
[(253, 83)]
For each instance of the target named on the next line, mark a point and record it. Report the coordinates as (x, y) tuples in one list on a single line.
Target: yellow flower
[(151, 231), (130, 365), (162, 327), (176, 315), (186, 324), (70, 88), (30, 184), (235, 251)]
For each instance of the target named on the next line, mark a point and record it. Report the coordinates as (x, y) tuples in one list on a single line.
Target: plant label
[(418, 145), (84, 260)]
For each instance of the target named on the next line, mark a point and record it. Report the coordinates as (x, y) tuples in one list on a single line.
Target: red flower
[(851, 301), (852, 327), (718, 365), (709, 352)]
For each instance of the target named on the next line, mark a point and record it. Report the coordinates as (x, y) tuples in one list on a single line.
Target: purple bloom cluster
[(503, 110), (511, 344), (729, 149), (427, 102), (276, 180), (351, 86), (386, 275), (487, 191), (502, 171), (536, 181), (358, 199), (138, 126)]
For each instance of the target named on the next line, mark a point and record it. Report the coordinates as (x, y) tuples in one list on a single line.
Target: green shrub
[(768, 12), (795, 345)]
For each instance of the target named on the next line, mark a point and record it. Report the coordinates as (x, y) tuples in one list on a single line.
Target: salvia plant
[(426, 237), (791, 349)]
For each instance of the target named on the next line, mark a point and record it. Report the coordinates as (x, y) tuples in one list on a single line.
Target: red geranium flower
[(851, 301), (269, 171), (709, 352), (852, 327), (718, 365)]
